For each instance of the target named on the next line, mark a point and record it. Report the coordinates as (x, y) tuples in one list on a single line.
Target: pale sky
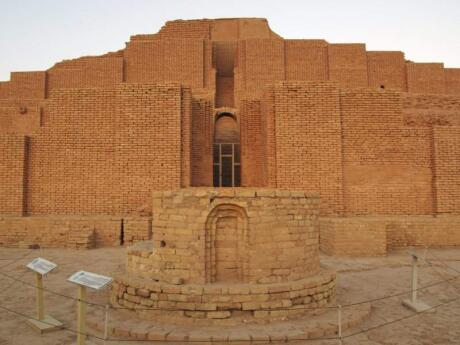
[(35, 34)]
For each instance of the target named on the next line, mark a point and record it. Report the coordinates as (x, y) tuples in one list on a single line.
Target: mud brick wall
[(422, 231), (136, 229), (86, 72), (447, 169), (260, 62), (387, 167), (306, 60), (101, 151), (12, 172), (353, 236), (188, 29), (268, 136), (148, 61), (252, 145), (189, 225), (72, 231), (72, 159), (387, 70), (151, 152), (427, 110), (307, 140), (24, 85), (202, 139), (452, 78), (376, 235), (22, 117), (425, 77), (88, 133), (216, 29), (348, 64)]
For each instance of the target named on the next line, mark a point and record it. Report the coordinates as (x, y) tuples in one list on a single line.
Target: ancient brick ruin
[(228, 102), (227, 257)]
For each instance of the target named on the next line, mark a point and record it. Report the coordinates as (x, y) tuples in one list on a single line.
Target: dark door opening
[(227, 172)]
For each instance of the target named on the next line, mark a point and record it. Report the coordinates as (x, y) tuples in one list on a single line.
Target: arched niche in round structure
[(226, 241), (229, 254)]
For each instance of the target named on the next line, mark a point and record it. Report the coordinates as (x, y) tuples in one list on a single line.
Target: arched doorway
[(226, 152)]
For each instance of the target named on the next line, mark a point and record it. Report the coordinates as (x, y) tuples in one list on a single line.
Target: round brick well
[(227, 255)]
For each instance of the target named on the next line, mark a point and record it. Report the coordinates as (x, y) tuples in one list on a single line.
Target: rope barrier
[(264, 309), (443, 263), (401, 318), (428, 262), (50, 291), (47, 323), (16, 259)]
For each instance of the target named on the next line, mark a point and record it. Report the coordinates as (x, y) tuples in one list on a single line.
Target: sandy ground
[(359, 279)]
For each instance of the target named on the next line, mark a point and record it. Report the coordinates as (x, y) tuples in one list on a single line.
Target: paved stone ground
[(359, 279)]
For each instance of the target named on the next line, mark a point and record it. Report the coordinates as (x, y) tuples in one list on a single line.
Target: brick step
[(126, 325)]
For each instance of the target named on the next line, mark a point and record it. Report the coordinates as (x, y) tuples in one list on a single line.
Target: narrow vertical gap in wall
[(328, 67), (284, 60), (123, 71), (224, 62), (122, 232), (46, 85), (25, 177), (342, 152), (434, 189)]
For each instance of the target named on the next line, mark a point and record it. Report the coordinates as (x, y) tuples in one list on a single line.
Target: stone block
[(218, 314)]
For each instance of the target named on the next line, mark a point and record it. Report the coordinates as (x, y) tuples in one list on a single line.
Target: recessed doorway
[(226, 152)]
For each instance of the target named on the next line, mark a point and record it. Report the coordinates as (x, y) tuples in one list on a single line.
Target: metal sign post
[(85, 279), (43, 323), (413, 303)]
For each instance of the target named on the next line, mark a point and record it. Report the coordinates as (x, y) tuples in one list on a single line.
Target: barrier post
[(39, 296), (339, 323), (81, 315), (106, 323), (413, 303), (414, 278)]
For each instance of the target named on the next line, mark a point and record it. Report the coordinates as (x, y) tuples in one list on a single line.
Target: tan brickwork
[(280, 222), (447, 161), (86, 72), (375, 235), (12, 172), (307, 129), (387, 70), (425, 78), (306, 60), (72, 231), (373, 133), (425, 110), (348, 64), (387, 167), (452, 78)]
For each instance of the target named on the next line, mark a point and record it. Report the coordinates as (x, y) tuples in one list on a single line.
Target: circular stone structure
[(227, 255)]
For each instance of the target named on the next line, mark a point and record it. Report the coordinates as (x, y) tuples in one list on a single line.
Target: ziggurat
[(229, 103)]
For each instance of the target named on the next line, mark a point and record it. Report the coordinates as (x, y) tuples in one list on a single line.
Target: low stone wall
[(71, 231), (354, 236), (373, 236), (224, 304)]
